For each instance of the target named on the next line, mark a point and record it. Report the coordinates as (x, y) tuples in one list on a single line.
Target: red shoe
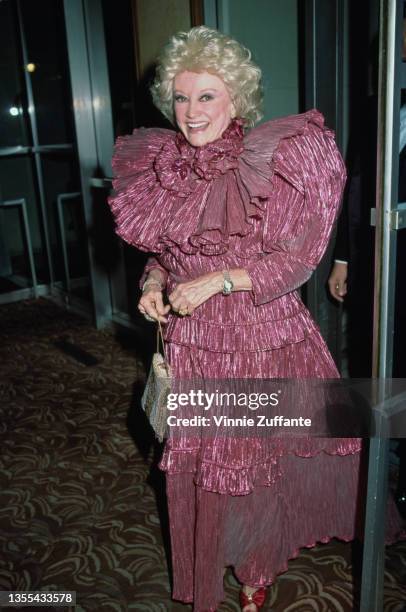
[(257, 598)]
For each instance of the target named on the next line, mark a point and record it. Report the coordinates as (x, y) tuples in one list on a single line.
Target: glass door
[(42, 232)]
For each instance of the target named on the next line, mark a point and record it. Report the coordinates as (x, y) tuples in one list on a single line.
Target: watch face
[(227, 286)]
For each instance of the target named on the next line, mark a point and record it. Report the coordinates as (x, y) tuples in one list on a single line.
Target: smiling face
[(202, 105)]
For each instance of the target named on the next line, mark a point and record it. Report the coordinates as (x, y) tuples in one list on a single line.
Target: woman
[(237, 221)]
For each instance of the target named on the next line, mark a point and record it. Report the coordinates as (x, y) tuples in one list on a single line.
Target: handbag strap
[(159, 335)]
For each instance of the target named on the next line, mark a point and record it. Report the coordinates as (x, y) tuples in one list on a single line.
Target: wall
[(270, 30), (157, 20)]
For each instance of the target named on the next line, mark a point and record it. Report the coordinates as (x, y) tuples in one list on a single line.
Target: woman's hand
[(151, 303), (337, 281), (186, 297)]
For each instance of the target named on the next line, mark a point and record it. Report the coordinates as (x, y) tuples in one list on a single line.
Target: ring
[(183, 311), (148, 318), (337, 286)]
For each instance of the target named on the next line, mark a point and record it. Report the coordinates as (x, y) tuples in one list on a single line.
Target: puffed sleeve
[(153, 264), (138, 203), (301, 213)]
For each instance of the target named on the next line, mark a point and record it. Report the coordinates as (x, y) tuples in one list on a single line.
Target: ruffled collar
[(168, 192), (179, 165)]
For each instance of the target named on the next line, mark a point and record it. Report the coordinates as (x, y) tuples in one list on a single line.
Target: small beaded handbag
[(158, 386)]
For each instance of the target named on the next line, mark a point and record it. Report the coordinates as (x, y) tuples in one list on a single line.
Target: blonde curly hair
[(203, 49)]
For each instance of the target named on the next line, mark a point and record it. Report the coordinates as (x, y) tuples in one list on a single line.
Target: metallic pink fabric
[(266, 202)]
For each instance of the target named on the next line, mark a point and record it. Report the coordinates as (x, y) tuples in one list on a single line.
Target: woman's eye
[(180, 98), (206, 97)]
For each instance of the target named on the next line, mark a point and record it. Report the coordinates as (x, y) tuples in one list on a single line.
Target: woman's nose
[(192, 108)]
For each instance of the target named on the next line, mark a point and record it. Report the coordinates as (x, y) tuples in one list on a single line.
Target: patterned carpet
[(82, 504)]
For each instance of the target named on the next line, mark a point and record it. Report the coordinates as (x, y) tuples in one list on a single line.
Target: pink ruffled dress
[(266, 202)]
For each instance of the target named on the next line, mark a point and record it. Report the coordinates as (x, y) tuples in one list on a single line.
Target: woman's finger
[(152, 307), (152, 311), (179, 299), (159, 304), (146, 305)]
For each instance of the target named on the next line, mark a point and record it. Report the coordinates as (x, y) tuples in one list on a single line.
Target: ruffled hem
[(294, 554), (243, 337), (231, 480), (315, 542)]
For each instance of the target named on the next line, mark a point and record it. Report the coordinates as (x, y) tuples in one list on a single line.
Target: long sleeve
[(351, 203), (341, 247), (298, 228)]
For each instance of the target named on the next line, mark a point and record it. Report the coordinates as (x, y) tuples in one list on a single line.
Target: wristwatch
[(228, 284)]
